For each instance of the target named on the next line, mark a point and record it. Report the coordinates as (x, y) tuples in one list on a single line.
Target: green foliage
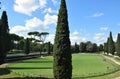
[(118, 45), (27, 46), (95, 47), (106, 47), (82, 47), (111, 47), (76, 48), (15, 51), (4, 37), (89, 46), (101, 48), (62, 67)]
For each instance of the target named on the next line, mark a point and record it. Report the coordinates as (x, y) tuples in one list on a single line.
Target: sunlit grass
[(83, 65)]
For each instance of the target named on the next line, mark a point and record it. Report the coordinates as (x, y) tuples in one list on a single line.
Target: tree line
[(87, 47)]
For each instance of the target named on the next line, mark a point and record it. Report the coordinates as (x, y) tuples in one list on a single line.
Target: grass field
[(84, 65)]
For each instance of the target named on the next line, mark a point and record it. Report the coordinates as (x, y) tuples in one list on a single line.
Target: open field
[(84, 65)]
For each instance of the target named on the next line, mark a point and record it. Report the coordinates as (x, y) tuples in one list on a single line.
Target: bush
[(15, 51)]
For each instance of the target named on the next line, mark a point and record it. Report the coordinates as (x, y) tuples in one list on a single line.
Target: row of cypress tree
[(111, 47)]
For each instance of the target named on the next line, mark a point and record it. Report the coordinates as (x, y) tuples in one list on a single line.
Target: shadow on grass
[(30, 68), (4, 71), (36, 62), (28, 78)]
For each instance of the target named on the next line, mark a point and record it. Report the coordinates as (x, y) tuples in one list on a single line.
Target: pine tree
[(27, 46), (4, 37), (111, 47), (118, 45), (62, 66)]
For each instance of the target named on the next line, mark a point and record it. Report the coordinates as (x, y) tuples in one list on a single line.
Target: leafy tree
[(89, 46), (21, 44), (95, 47), (118, 45), (27, 46), (15, 41), (62, 66), (4, 37), (82, 47), (111, 47), (38, 37)]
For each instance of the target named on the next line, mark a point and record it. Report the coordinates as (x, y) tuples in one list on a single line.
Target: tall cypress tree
[(48, 48), (62, 66), (27, 46), (111, 46), (118, 45), (4, 37)]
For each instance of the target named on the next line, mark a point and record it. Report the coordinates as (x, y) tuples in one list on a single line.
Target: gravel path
[(112, 59)]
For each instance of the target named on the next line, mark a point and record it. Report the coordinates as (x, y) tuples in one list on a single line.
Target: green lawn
[(83, 65)]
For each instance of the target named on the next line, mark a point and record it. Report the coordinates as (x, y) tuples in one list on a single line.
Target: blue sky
[(89, 20)]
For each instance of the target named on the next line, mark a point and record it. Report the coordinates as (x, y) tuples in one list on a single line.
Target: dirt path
[(112, 59)]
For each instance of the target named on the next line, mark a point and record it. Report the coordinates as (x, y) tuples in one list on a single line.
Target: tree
[(38, 37), (100, 47), (118, 45), (14, 40), (27, 46), (111, 47), (89, 47), (4, 37), (105, 47), (82, 47), (48, 48), (95, 47), (76, 48), (62, 66)]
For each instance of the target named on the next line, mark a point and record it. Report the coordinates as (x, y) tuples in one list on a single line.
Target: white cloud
[(75, 37), (49, 10), (19, 30), (42, 3), (50, 19), (28, 6), (50, 38), (35, 24), (54, 2), (99, 38), (118, 24), (97, 15), (104, 28)]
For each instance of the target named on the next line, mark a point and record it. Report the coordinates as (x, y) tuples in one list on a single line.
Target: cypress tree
[(4, 37), (48, 48), (111, 46), (118, 45), (76, 48), (27, 46), (62, 66), (105, 48)]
